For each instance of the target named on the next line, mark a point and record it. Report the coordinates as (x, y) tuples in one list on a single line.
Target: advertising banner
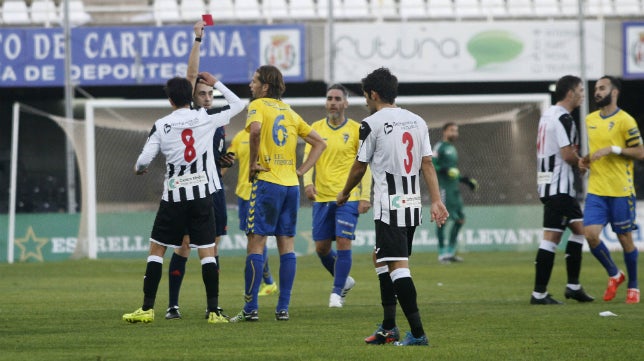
[(467, 52), (53, 236), (146, 55), (633, 50)]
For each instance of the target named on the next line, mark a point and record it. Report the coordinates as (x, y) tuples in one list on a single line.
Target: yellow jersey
[(332, 168), (611, 175), (239, 146), (281, 127)]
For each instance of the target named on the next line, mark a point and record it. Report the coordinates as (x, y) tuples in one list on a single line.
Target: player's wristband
[(198, 39), (615, 149)]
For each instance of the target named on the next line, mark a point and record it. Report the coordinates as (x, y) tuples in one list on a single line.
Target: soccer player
[(185, 139), (275, 196), (557, 147), (330, 221), (202, 98), (614, 141), (395, 143), (449, 179), (240, 147)]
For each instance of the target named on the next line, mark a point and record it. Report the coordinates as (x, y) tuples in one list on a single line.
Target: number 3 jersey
[(393, 141), (185, 139)]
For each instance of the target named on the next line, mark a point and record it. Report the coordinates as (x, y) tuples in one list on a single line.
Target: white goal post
[(139, 115)]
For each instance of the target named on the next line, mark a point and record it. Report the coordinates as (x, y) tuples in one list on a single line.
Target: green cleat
[(139, 316), (217, 317), (266, 290), (243, 316)]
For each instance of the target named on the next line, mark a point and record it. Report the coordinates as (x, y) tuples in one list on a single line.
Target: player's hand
[(453, 173), (439, 213), (227, 160), (584, 164), (206, 78), (470, 182), (254, 171), (140, 171), (363, 206), (341, 198), (198, 29), (310, 192), (601, 153)]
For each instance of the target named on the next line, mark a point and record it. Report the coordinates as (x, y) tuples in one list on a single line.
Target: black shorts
[(393, 243), (559, 211), (221, 217), (174, 219)]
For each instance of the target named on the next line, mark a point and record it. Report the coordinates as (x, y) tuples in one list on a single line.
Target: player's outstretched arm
[(193, 59)]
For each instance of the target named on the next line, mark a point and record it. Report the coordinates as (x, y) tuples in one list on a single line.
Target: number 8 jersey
[(393, 141), (185, 139)]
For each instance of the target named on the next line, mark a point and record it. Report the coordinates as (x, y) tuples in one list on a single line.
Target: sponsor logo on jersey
[(187, 180), (399, 201)]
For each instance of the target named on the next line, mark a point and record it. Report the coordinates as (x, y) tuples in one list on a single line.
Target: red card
[(207, 19)]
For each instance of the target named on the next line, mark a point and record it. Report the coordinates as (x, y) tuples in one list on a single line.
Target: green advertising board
[(53, 236)]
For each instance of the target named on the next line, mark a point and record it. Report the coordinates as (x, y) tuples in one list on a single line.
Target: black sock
[(151, 284), (175, 277), (210, 277), (388, 299), (406, 291), (573, 262), (543, 266)]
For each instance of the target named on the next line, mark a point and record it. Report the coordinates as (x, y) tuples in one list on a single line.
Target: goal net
[(496, 146)]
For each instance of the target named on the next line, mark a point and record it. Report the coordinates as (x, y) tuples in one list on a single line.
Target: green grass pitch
[(476, 310)]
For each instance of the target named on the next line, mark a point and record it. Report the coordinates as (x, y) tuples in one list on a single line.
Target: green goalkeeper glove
[(453, 173), (470, 182)]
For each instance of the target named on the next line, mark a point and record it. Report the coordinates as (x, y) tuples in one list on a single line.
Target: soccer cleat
[(632, 296), (282, 315), (266, 290), (613, 283), (220, 310), (348, 285), (173, 313), (217, 317), (139, 316), (579, 295), (456, 259), (335, 301), (243, 316), (410, 340), (382, 336), (548, 300)]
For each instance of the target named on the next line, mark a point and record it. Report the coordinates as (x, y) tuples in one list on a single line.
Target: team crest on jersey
[(167, 128), (388, 128), (611, 125), (345, 136)]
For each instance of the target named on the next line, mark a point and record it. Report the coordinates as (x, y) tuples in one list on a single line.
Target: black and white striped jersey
[(185, 138), (557, 129), (393, 141)]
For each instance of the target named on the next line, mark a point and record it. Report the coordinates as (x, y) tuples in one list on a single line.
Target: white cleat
[(348, 285), (335, 301)]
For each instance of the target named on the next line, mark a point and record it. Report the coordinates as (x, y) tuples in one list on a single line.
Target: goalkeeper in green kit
[(449, 177)]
